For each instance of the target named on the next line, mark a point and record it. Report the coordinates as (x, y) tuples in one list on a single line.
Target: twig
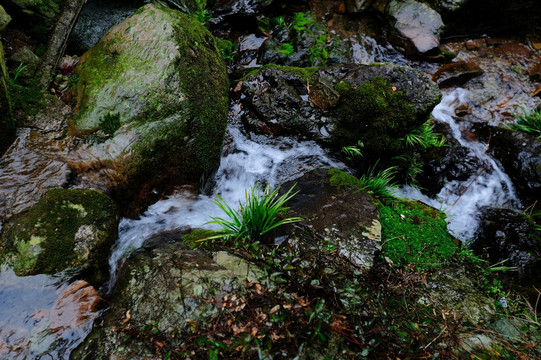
[(437, 337), (469, 185)]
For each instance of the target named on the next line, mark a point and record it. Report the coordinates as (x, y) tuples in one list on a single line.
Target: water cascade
[(487, 186)]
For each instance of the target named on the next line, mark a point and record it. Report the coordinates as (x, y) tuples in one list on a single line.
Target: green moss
[(110, 123), (43, 239), (377, 115), (193, 239), (27, 101), (339, 178), (415, 234)]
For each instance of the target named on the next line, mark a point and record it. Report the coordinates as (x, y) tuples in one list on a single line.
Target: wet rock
[(235, 9), (35, 162), (65, 229), (152, 113), (276, 101), (416, 26), (168, 289), (535, 71), (447, 5), (95, 19), (445, 164), (357, 6), (30, 62), (456, 74), (455, 289), (520, 155), (337, 216), (505, 234)]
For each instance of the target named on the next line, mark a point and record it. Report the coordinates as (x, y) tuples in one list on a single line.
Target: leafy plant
[(379, 184), (529, 121), (286, 49), (425, 137), (227, 48), (280, 21), (353, 151), (110, 124), (319, 52), (201, 14), (18, 72), (301, 21), (262, 212)]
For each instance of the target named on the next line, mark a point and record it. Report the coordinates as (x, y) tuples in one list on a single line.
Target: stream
[(49, 315)]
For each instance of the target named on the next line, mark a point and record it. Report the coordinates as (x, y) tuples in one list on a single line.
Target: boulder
[(340, 105), (416, 26), (505, 234), (66, 229), (168, 290), (152, 101), (335, 215), (520, 155)]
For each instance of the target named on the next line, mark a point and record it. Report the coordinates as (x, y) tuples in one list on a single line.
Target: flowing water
[(487, 186), (248, 159)]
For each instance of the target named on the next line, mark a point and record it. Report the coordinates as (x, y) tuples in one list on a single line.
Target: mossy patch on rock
[(7, 124), (375, 113), (65, 229), (416, 235)]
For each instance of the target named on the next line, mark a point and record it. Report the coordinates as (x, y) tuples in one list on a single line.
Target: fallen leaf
[(127, 318)]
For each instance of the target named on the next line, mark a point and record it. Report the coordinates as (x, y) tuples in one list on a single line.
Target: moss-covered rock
[(338, 106), (65, 229), (168, 291), (161, 78)]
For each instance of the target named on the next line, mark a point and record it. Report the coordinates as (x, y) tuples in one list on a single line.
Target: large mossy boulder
[(7, 125), (65, 229), (340, 105), (152, 101), (169, 291)]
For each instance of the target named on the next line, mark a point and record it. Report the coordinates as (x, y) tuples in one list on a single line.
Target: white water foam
[(487, 186), (248, 159)]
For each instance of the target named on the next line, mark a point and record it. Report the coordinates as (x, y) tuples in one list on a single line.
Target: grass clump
[(528, 121), (415, 234), (379, 184), (262, 212)]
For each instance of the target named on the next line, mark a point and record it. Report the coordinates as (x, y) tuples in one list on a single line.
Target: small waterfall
[(248, 159), (487, 186)]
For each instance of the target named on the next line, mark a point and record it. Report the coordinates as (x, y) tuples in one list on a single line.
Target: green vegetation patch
[(415, 234), (65, 228), (377, 115)]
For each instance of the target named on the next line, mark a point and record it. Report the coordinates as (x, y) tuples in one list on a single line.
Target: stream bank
[(317, 295)]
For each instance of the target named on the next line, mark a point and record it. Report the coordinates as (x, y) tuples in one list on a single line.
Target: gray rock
[(167, 289), (416, 26)]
